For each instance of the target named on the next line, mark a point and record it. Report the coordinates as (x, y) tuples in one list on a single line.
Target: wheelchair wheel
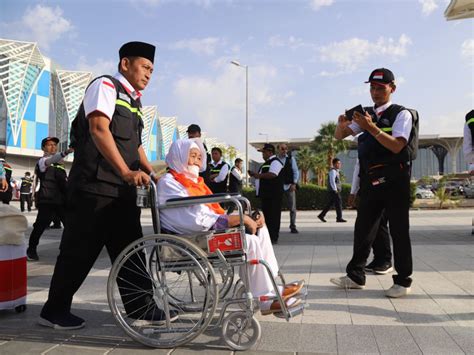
[(143, 282), (191, 301), (241, 331)]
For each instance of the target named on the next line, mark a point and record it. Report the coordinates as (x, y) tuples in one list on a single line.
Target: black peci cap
[(193, 128), (269, 147), (138, 49), (381, 76), (47, 139)]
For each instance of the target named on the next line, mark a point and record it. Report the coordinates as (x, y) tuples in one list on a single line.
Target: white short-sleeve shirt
[(101, 95), (400, 128), (275, 168)]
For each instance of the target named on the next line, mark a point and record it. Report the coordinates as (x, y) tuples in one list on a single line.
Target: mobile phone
[(350, 113)]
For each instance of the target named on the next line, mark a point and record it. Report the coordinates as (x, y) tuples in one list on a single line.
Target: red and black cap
[(381, 76), (138, 49), (47, 139)]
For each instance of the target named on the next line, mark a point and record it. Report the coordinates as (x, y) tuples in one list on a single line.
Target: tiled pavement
[(438, 317)]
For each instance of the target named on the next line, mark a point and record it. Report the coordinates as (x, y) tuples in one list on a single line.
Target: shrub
[(308, 197), (313, 197)]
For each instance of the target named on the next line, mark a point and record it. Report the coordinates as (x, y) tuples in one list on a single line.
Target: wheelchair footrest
[(293, 312)]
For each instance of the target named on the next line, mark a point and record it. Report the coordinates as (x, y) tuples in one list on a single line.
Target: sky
[(307, 59)]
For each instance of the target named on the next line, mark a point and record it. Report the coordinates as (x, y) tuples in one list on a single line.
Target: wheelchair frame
[(162, 256)]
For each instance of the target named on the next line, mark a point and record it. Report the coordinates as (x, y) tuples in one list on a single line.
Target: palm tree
[(306, 161), (231, 153), (320, 168), (325, 142)]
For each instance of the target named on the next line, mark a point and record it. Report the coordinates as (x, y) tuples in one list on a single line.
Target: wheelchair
[(191, 275)]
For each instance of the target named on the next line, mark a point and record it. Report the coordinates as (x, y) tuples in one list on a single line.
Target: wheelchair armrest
[(194, 200)]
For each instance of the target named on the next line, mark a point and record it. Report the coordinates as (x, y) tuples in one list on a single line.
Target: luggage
[(12, 259)]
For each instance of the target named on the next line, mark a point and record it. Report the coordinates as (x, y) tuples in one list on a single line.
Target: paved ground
[(438, 317)]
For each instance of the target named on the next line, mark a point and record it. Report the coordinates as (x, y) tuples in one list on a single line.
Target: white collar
[(382, 108), (215, 164), (135, 94)]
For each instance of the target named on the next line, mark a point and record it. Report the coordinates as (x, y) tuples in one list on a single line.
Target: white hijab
[(178, 155)]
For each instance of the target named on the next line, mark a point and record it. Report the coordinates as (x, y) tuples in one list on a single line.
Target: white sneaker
[(346, 283), (397, 291)]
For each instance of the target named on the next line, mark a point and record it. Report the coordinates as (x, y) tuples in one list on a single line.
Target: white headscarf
[(178, 155)]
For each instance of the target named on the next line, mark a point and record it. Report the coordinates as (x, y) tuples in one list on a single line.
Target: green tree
[(320, 168), (231, 153), (306, 160), (325, 142)]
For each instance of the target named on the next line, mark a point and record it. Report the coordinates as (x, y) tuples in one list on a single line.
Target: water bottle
[(143, 197)]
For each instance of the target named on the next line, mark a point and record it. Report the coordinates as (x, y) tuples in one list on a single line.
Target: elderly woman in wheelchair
[(185, 160), (189, 264)]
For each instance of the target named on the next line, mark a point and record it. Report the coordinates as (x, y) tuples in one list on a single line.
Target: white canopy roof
[(459, 9)]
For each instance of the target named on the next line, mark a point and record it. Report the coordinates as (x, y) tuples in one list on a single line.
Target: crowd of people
[(110, 162)]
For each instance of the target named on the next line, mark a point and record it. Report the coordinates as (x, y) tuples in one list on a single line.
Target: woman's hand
[(250, 224), (260, 220)]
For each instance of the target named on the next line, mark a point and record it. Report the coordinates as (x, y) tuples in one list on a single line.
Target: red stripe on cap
[(108, 84)]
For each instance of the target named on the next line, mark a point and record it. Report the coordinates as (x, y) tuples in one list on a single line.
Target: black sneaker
[(31, 254), (341, 220), (383, 269), (66, 321), (294, 230), (321, 218), (154, 316), (370, 266), (55, 227)]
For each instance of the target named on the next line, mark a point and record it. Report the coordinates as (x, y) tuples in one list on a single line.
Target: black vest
[(26, 183), (234, 184), (8, 194), (470, 124), (270, 188), (338, 182), (287, 171), (218, 187), (371, 152), (90, 171), (52, 184)]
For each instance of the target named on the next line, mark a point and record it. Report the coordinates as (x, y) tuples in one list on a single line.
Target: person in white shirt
[(468, 142), (334, 189), (109, 163), (218, 172), (291, 176), (269, 188), (389, 136), (185, 159)]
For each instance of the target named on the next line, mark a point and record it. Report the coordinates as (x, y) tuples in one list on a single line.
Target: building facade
[(38, 99)]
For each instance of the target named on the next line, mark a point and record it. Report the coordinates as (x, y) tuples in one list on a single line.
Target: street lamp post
[(246, 119)]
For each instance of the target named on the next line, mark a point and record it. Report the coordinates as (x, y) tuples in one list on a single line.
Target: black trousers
[(381, 246), (25, 198), (271, 208), (46, 212), (394, 199), (92, 222), (334, 199)]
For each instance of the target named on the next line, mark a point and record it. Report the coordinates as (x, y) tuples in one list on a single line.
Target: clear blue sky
[(307, 59)]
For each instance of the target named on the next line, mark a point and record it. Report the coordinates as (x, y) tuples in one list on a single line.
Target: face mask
[(193, 170)]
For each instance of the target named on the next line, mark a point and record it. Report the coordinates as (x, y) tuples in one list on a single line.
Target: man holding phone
[(385, 148)]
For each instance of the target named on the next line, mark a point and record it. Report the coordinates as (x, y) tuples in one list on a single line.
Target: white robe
[(199, 218)]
